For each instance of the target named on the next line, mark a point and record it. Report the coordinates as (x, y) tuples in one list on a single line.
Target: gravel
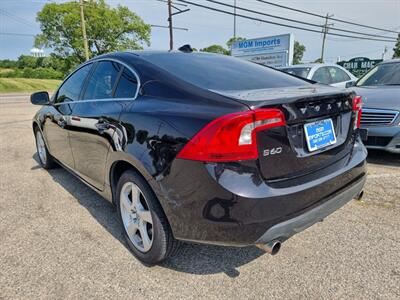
[(59, 239)]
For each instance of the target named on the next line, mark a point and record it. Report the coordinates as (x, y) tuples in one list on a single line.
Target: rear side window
[(322, 76), (220, 72), (102, 80), (127, 85), (71, 88), (338, 75), (302, 72)]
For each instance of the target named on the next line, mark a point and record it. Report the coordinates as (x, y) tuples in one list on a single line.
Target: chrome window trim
[(106, 99), (94, 100)]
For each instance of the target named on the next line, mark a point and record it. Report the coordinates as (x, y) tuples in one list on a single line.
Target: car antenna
[(186, 49)]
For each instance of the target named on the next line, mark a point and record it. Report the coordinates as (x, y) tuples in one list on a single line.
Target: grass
[(25, 85), (5, 70)]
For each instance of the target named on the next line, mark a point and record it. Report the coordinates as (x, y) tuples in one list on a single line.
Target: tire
[(46, 161), (140, 215)]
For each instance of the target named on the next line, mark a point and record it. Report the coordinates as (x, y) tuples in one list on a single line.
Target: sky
[(207, 28)]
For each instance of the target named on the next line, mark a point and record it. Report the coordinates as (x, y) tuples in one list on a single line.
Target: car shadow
[(383, 158), (192, 258)]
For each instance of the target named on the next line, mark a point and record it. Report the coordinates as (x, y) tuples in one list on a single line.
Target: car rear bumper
[(288, 228), (231, 204), (384, 138)]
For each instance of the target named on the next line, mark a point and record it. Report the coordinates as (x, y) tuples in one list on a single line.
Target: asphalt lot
[(59, 239)]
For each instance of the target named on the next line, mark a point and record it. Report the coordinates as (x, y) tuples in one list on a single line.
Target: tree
[(27, 61), (215, 49), (396, 48), (232, 40), (108, 29), (298, 52)]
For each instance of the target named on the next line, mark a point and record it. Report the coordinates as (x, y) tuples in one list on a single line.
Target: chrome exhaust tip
[(360, 195), (271, 247)]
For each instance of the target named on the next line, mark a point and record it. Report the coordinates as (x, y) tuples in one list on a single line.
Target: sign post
[(274, 51), (358, 66)]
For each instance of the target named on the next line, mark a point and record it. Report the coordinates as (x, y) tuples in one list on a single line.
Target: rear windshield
[(302, 72), (219, 72)]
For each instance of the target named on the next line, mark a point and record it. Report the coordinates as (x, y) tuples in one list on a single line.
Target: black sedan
[(202, 147)]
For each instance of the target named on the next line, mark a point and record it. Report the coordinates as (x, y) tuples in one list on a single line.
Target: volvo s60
[(203, 147)]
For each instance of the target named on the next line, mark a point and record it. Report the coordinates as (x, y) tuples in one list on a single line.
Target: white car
[(331, 74)]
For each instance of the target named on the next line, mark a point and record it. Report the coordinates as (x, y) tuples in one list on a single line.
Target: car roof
[(311, 65), (389, 61)]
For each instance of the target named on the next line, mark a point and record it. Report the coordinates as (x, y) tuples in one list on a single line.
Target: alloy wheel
[(41, 147), (136, 217)]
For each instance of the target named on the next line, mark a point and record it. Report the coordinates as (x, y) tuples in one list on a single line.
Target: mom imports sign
[(274, 51)]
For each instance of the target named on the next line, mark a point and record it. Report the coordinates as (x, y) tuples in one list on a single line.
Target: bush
[(40, 73)]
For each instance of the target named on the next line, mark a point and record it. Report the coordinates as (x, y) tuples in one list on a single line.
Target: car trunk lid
[(283, 151)]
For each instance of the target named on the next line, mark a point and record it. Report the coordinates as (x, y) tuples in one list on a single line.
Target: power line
[(321, 16), (284, 25), (296, 21), (17, 18), (17, 34)]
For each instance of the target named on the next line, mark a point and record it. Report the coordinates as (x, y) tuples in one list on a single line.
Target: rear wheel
[(145, 225), (45, 159)]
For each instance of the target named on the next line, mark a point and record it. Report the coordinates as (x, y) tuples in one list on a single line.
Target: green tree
[(215, 49), (298, 52), (232, 40), (396, 48), (27, 61), (108, 29)]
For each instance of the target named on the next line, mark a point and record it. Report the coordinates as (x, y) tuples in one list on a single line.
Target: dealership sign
[(359, 65), (275, 51)]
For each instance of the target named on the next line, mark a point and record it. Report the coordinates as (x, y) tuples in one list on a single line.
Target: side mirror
[(350, 84), (40, 98)]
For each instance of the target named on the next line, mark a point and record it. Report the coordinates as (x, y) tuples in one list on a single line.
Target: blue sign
[(319, 134), (275, 51)]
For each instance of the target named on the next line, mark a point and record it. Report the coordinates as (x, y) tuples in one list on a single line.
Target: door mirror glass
[(40, 98), (350, 84)]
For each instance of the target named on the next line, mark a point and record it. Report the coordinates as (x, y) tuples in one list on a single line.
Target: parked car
[(380, 90), (203, 147), (331, 74)]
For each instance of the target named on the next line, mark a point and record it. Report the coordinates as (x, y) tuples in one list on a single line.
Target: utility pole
[(325, 31), (170, 14), (384, 52), (171, 34), (85, 42), (234, 20)]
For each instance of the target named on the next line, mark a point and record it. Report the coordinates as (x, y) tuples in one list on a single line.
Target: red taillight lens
[(357, 108), (231, 137)]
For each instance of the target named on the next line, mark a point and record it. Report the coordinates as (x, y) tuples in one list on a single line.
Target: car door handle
[(61, 122), (102, 126)]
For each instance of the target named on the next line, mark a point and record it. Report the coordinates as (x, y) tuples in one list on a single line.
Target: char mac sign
[(275, 51), (359, 65)]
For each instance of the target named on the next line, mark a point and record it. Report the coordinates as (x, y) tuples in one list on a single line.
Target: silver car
[(331, 74), (380, 91)]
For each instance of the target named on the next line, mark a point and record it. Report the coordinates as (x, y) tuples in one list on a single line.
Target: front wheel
[(145, 225), (45, 159)]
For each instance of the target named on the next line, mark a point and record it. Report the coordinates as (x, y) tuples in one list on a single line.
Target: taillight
[(231, 137), (357, 108)]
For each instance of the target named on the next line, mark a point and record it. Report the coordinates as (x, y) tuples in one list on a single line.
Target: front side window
[(384, 74), (127, 85), (71, 88), (322, 76), (338, 75), (102, 80)]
